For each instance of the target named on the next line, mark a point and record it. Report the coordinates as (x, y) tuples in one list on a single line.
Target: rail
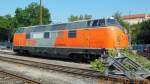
[(9, 78), (111, 79)]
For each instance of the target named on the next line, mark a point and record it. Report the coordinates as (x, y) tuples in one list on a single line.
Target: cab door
[(86, 38)]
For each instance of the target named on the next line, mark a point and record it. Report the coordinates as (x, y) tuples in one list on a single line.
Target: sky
[(61, 9)]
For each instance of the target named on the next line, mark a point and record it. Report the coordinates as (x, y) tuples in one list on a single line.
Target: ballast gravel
[(47, 76)]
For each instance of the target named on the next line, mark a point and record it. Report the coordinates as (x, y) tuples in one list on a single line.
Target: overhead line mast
[(41, 18)]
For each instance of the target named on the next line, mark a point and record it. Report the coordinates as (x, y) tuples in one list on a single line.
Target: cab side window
[(28, 36), (46, 35), (72, 34)]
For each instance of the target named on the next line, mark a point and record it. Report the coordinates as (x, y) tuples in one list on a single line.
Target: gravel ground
[(56, 62), (45, 76)]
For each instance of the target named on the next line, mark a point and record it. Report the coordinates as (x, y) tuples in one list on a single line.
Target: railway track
[(66, 69), (77, 71), (9, 78)]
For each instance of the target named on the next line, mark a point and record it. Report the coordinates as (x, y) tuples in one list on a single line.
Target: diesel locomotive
[(81, 39)]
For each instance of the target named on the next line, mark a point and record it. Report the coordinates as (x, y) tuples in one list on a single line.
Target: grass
[(98, 65), (138, 58)]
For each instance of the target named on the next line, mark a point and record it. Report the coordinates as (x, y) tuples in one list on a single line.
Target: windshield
[(112, 22), (104, 22)]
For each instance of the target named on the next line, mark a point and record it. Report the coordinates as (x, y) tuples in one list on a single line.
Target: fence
[(143, 49), (6, 45)]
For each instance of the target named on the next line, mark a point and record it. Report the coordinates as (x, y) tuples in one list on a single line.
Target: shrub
[(112, 52), (138, 58), (98, 65)]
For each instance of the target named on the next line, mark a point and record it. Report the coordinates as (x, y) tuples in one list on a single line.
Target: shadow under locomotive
[(65, 54)]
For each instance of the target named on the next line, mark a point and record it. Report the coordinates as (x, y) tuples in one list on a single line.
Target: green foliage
[(117, 16), (98, 65), (31, 15), (141, 33), (87, 17), (135, 57), (24, 17), (81, 17), (4, 34), (72, 18), (140, 59), (5, 22), (112, 52)]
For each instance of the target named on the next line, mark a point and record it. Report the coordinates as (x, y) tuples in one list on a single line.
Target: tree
[(117, 16), (87, 17), (31, 15), (28, 16), (81, 17), (73, 18), (4, 22), (4, 27), (141, 33)]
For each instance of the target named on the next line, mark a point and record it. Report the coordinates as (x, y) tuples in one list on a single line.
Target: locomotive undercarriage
[(74, 54)]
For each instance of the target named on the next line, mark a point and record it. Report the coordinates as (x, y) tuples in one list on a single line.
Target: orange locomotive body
[(106, 37), (82, 38)]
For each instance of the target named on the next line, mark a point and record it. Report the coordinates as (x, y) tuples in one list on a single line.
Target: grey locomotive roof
[(62, 26)]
